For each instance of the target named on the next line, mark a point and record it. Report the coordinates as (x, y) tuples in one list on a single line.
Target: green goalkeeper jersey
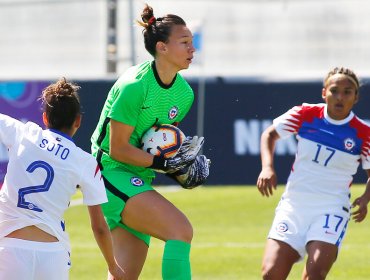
[(140, 99)]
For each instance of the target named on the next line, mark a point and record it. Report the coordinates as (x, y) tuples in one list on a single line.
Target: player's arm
[(361, 212), (10, 128), (104, 240), (267, 180), (122, 150), (123, 118)]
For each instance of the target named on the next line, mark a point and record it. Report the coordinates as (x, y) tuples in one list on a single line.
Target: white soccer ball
[(162, 140)]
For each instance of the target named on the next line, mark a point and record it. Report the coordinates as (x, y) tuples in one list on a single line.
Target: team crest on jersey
[(281, 227), (349, 144), (137, 182), (173, 112)]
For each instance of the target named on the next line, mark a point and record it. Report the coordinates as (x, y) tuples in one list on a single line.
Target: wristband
[(159, 163)]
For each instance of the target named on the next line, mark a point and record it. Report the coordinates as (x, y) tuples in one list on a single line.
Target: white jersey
[(328, 154), (44, 169)]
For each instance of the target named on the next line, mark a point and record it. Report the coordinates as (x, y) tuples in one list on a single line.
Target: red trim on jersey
[(309, 112), (97, 170), (363, 132), (304, 113)]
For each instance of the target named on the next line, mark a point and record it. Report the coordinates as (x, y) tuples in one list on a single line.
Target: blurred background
[(240, 38), (254, 60)]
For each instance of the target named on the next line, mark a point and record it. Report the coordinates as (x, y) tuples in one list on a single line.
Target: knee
[(271, 270), (184, 232), (315, 274), (266, 270)]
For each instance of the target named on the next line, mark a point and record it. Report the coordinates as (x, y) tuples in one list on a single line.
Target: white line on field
[(76, 202), (226, 245), (229, 244), (194, 245)]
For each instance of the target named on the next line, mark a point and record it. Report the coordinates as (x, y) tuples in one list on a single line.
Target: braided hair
[(344, 71)]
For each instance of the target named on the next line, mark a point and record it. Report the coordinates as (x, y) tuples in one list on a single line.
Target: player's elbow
[(115, 155), (270, 133)]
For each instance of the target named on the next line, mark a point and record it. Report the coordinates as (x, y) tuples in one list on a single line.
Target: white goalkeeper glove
[(185, 156), (194, 175)]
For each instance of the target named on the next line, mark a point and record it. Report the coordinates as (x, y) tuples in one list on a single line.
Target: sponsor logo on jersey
[(137, 182), (281, 227), (326, 131), (349, 144), (173, 112)]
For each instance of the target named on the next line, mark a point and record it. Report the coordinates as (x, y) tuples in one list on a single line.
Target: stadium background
[(255, 60)]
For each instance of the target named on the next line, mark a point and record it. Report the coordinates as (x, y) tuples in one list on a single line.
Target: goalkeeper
[(146, 94)]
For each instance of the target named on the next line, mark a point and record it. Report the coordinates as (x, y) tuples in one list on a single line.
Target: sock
[(176, 261)]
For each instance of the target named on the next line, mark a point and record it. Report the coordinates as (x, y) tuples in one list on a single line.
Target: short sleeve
[(10, 130), (289, 123), (92, 185), (365, 151)]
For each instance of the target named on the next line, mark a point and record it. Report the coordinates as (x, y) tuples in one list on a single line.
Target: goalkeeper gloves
[(185, 156), (193, 175)]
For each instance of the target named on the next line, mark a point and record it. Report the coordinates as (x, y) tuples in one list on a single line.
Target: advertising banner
[(19, 100), (235, 114)]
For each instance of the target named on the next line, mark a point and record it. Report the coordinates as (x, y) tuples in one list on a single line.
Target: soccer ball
[(162, 140)]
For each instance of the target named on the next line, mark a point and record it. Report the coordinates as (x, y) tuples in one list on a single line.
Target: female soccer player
[(314, 211), (44, 169), (147, 94)]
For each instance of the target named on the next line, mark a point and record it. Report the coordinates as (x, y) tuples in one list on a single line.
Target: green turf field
[(230, 226)]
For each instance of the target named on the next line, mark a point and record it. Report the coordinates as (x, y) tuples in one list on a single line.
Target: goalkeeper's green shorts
[(120, 186)]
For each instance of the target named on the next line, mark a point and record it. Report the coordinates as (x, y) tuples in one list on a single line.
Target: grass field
[(230, 227)]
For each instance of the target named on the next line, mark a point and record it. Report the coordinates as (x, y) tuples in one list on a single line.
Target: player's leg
[(324, 239), (129, 251), (278, 260), (130, 246), (134, 206), (152, 214), (286, 242), (321, 257)]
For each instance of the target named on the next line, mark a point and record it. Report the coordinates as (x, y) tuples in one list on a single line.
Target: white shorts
[(297, 226), (30, 260)]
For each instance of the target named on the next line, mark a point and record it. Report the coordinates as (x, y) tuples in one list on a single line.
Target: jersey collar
[(160, 83), (61, 134), (337, 122)]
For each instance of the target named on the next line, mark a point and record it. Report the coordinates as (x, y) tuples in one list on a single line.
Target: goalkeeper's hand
[(194, 175), (185, 156)]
